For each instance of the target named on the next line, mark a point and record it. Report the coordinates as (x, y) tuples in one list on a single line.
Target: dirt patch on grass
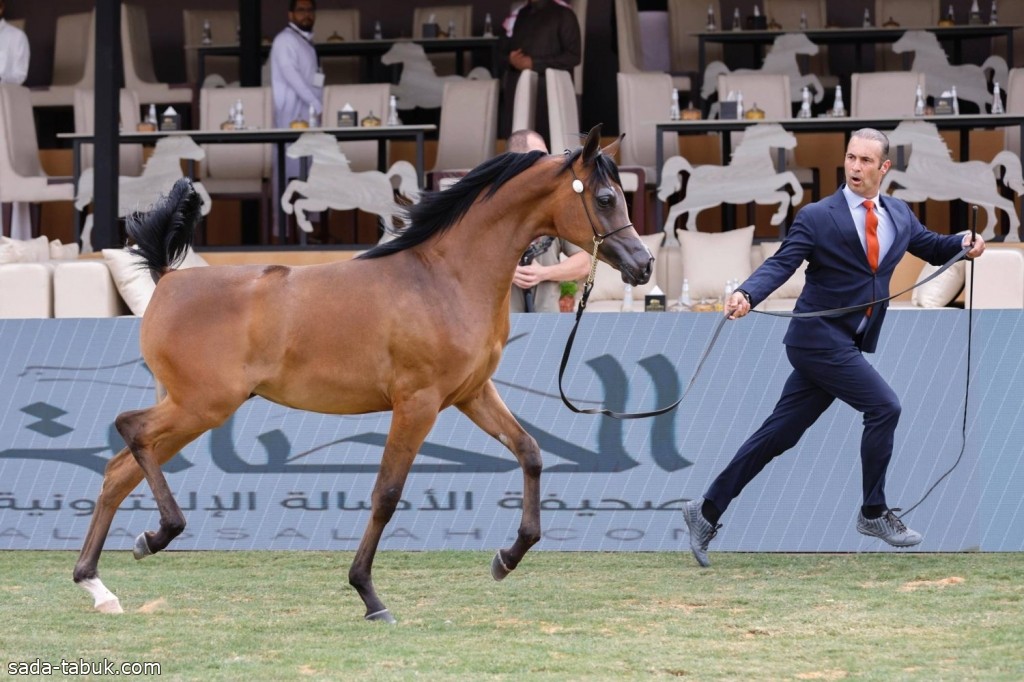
[(822, 675), (940, 583), (153, 606)]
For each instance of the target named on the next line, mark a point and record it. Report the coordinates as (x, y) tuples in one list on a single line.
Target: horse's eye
[(606, 200)]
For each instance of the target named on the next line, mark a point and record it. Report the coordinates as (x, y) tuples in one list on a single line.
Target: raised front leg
[(413, 418), (489, 412)]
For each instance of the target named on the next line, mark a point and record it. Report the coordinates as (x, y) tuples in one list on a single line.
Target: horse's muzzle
[(639, 274)]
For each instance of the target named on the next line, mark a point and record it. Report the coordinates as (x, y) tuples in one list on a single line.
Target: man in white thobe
[(14, 54)]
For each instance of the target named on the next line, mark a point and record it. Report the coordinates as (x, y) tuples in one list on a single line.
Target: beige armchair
[(332, 24), (21, 176), (137, 55), (130, 159), (524, 104), (74, 60), (563, 113), (908, 14), (468, 131), (233, 171), (223, 31), (461, 15), (580, 8), (886, 93), (365, 98)]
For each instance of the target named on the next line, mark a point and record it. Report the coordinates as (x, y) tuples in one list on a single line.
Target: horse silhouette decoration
[(413, 327), (142, 192), (932, 174), (419, 85), (940, 76), (782, 58), (751, 176), (331, 184)]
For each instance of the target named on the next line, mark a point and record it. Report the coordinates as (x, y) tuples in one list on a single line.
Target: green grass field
[(561, 616)]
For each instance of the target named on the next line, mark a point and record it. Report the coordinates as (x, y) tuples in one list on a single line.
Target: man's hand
[(520, 60), (737, 306), (529, 276), (979, 245)]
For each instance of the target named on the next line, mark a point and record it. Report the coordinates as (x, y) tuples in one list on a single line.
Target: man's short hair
[(293, 3), (877, 136), (520, 141)]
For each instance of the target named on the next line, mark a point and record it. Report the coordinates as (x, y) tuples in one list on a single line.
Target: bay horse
[(424, 332)]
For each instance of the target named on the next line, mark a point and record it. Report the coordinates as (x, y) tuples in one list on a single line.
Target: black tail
[(162, 236)]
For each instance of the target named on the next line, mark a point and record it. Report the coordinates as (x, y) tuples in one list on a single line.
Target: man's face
[(864, 166), (304, 15)]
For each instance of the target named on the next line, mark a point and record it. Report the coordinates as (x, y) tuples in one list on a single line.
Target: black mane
[(438, 211)]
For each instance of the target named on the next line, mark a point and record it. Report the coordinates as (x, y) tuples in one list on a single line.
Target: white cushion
[(26, 290), (24, 250), (608, 284), (60, 251), (795, 284), (941, 291), (133, 280), (711, 259), (85, 288)]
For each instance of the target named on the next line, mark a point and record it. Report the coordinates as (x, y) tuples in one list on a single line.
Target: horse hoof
[(141, 549), (383, 616), (498, 568), (111, 606)]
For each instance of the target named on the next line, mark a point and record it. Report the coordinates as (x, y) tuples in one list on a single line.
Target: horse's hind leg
[(411, 422), (489, 412)]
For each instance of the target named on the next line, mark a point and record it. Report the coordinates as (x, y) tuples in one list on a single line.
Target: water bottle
[(867, 18), (803, 21), (393, 119), (673, 110), (949, 14), (956, 102), (838, 108), (378, 34), (684, 295), (736, 24), (805, 103), (711, 19), (451, 28), (151, 115), (918, 102), (488, 26), (314, 120), (739, 104), (207, 32), (993, 15), (239, 115), (997, 100), (627, 298)]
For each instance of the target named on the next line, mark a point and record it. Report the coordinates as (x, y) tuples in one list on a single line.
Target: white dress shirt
[(14, 54), (293, 73)]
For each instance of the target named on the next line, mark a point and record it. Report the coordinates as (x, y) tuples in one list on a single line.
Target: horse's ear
[(592, 145), (613, 147)]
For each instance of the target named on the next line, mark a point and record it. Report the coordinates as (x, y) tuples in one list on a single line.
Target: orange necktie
[(871, 235)]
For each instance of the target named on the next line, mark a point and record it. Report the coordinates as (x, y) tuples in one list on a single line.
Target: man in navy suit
[(852, 242)]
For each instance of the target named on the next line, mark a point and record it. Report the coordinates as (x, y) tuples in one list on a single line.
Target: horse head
[(403, 51), (593, 208), (917, 41), (323, 147), (179, 147), (794, 42), (919, 135), (768, 136)]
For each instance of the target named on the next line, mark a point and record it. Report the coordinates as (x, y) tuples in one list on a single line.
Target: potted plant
[(567, 296)]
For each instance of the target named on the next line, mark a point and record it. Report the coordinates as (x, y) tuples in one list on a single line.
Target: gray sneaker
[(888, 527), (701, 531)]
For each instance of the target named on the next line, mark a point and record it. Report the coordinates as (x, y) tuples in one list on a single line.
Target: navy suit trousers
[(819, 376)]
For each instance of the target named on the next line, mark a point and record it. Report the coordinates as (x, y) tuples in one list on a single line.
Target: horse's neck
[(753, 158)]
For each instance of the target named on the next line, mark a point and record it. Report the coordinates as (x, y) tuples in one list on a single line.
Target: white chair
[(908, 14), (563, 113), (137, 56), (334, 25), (21, 175), (365, 98), (770, 93), (74, 60), (524, 104), (884, 93), (1014, 105), (468, 130), (458, 16), (686, 17), (223, 31), (130, 155), (1011, 13), (233, 171), (580, 8)]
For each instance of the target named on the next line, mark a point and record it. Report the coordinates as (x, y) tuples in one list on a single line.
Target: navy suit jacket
[(838, 274)]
